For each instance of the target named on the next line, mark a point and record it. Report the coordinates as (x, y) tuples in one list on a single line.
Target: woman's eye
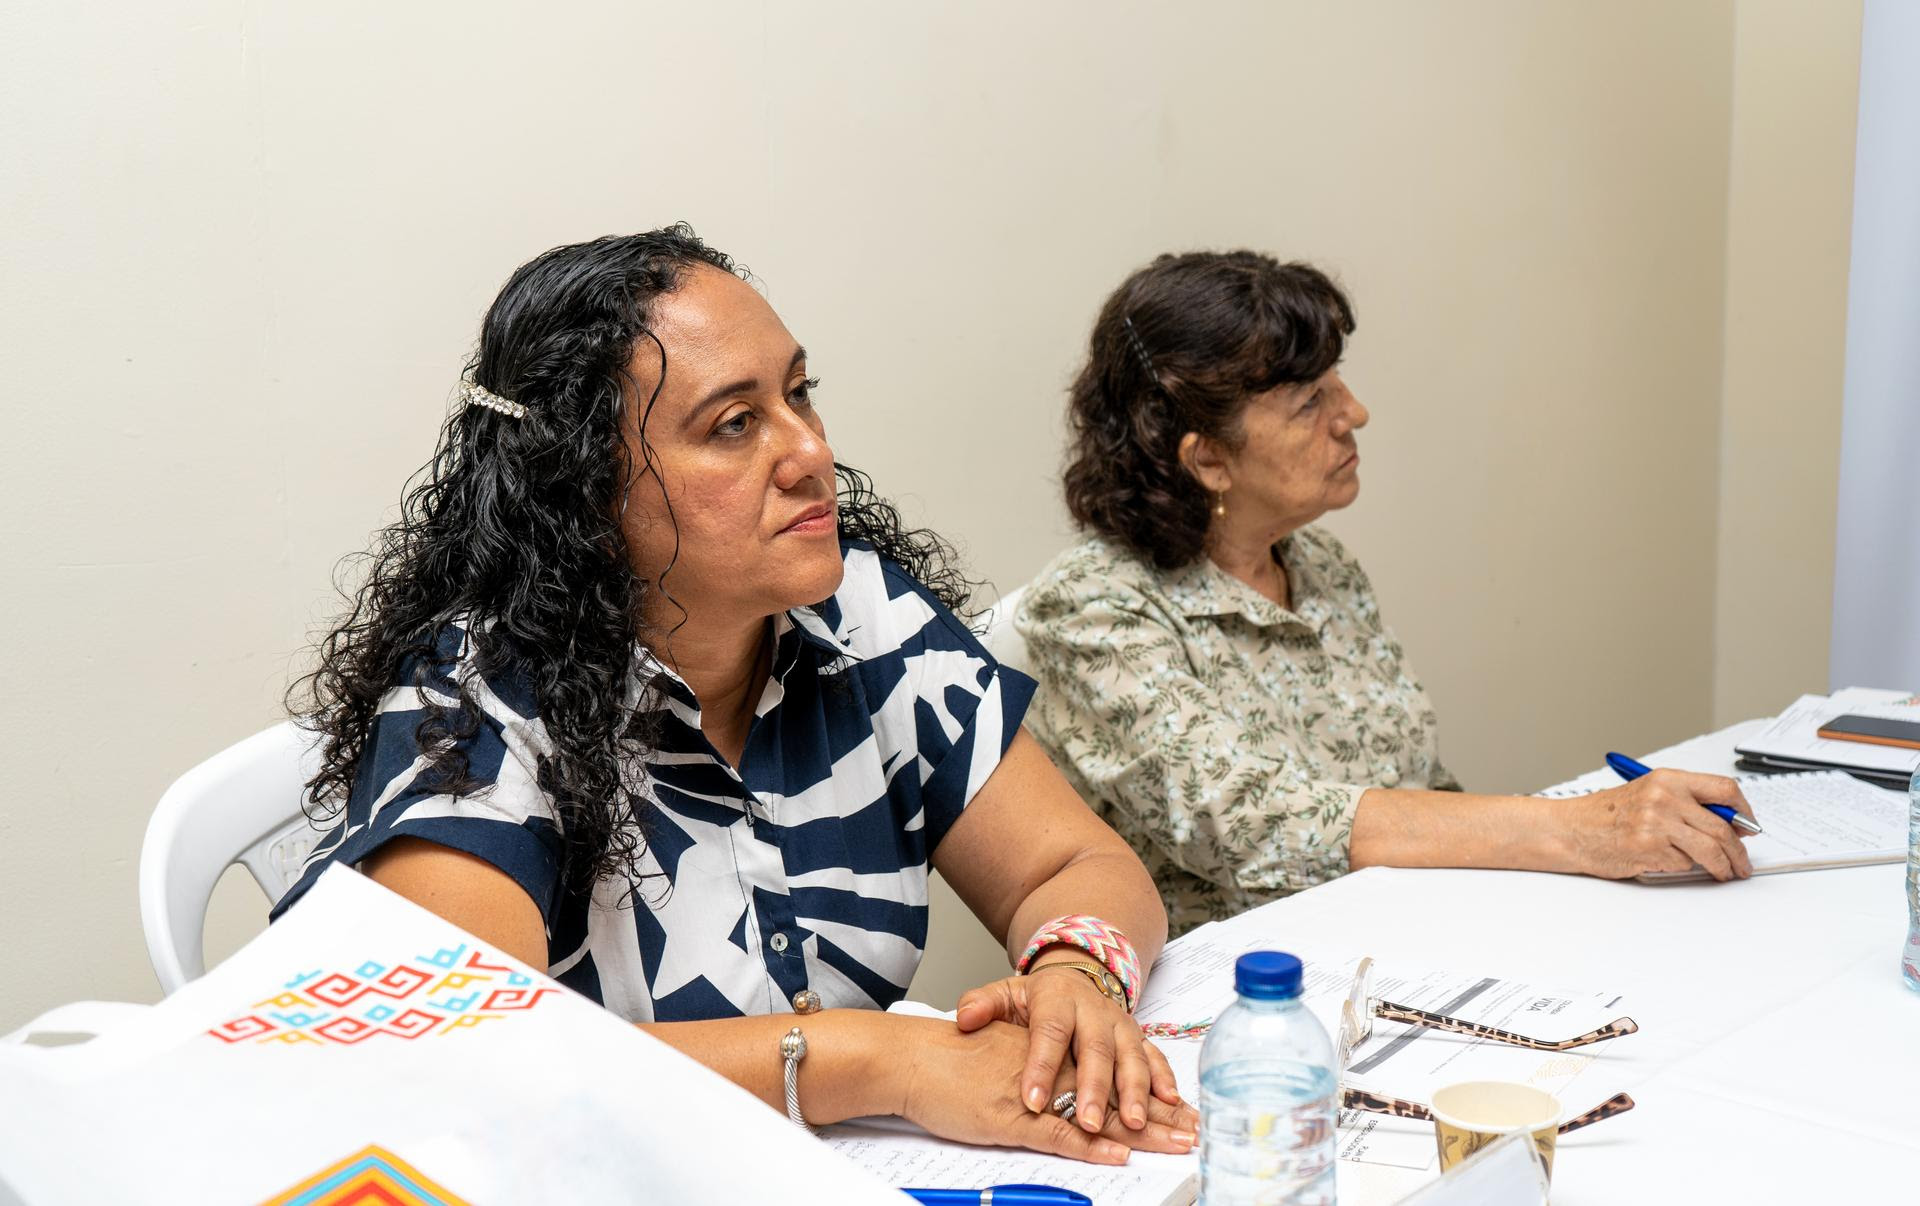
[(735, 426), (802, 394)]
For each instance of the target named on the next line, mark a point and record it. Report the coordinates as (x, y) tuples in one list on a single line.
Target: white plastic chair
[(1002, 640), (240, 806)]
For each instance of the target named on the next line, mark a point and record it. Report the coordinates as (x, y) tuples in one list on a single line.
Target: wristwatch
[(1104, 980)]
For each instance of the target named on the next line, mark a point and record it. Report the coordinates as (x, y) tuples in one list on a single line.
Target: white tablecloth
[(1779, 1052)]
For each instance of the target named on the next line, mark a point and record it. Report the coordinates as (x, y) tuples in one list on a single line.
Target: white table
[(1779, 1052)]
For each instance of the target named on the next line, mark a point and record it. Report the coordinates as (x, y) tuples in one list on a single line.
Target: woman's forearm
[(1107, 883), (1397, 828), (854, 1064), (1027, 850)]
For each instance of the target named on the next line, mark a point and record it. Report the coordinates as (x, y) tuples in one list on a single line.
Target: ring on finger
[(1064, 1104)]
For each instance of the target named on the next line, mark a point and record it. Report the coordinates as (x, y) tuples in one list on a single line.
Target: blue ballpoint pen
[(1630, 770), (1000, 1195)]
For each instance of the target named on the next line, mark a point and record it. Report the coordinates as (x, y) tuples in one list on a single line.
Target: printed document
[(1193, 981)]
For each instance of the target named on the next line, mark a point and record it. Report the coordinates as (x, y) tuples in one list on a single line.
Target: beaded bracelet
[(1097, 938)]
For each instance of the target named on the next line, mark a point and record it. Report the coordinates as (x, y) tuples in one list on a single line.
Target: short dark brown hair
[(1183, 345)]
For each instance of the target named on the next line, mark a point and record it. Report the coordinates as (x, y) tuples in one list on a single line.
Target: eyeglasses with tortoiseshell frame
[(1356, 1024)]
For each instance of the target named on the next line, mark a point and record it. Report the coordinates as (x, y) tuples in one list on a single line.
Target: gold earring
[(1220, 505)]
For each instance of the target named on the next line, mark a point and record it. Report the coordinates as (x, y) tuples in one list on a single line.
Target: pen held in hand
[(1629, 769)]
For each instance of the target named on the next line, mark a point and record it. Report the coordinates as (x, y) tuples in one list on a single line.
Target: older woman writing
[(647, 691), (1215, 676)]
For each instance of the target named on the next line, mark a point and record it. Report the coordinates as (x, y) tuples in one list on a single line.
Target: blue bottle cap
[(1267, 975)]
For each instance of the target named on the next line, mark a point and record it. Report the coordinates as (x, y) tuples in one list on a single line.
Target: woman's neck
[(1247, 553), (725, 666)]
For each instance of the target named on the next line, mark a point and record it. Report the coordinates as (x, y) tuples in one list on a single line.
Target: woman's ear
[(1207, 462)]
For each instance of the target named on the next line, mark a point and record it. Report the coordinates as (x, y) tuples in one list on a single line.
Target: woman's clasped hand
[(973, 1083), (1072, 1024)]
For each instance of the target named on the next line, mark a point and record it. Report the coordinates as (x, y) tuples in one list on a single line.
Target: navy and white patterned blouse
[(804, 869)]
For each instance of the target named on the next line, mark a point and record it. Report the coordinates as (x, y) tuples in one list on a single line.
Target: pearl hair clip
[(477, 394)]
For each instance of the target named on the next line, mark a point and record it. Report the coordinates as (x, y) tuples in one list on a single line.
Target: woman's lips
[(811, 523)]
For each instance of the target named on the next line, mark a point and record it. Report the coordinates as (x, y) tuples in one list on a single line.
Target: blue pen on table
[(1000, 1195), (1630, 770)]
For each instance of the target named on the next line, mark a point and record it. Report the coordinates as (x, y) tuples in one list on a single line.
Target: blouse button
[(778, 942)]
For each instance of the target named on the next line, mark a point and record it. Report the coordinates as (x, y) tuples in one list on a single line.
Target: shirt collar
[(1204, 589), (813, 629), (795, 630)]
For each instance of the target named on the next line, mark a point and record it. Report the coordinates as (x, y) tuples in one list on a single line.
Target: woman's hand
[(965, 1086), (1066, 1014), (1656, 823)]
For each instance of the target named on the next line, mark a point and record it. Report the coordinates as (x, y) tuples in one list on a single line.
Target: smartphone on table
[(1874, 730)]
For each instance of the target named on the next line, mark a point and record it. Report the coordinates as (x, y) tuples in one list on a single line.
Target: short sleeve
[(926, 669), (992, 703), (500, 815)]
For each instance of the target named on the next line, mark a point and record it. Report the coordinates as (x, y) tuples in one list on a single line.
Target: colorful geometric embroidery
[(369, 1176), (449, 990)]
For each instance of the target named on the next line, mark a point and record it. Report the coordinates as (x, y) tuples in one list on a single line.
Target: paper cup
[(1469, 1116)]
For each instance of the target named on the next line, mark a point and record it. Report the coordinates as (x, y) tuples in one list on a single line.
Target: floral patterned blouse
[(1226, 738)]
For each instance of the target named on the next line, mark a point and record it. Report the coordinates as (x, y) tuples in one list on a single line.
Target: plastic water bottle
[(1910, 958), (1267, 1094)]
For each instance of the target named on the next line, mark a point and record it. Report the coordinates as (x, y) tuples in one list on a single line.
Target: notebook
[(1816, 820), (1792, 740)]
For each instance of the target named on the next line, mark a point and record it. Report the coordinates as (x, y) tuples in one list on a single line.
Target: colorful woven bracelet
[(1175, 1030), (1095, 937)]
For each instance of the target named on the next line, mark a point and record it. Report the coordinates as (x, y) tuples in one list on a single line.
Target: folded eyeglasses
[(1356, 1024)]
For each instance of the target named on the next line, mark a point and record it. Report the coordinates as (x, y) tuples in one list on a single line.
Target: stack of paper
[(1792, 741)]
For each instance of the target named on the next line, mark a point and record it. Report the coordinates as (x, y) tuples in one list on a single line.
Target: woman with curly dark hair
[(647, 691), (1215, 677)]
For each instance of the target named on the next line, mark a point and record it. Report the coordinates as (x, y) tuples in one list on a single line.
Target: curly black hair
[(1183, 345), (512, 528)]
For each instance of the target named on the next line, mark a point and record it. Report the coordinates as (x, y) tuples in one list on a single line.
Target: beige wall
[(1789, 207), (247, 246)]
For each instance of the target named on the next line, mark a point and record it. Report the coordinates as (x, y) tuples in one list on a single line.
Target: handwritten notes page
[(1818, 819)]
